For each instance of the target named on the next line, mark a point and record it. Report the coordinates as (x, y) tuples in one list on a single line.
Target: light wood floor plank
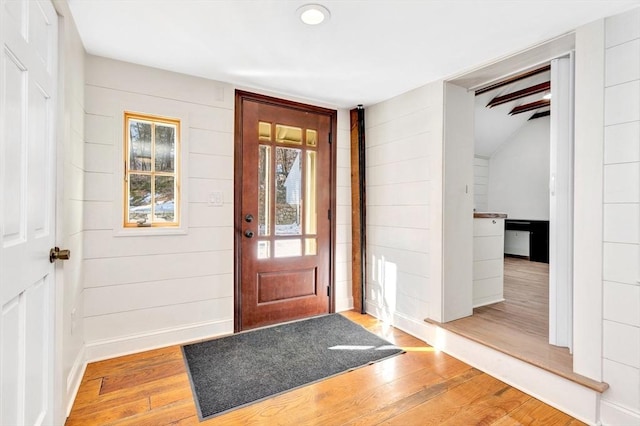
[(422, 386), (519, 326)]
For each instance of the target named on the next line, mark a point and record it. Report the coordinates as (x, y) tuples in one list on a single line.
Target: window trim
[(176, 226)]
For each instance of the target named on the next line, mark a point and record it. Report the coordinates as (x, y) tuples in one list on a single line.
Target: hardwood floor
[(519, 326), (420, 387)]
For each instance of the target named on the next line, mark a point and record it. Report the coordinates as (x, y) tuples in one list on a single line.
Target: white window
[(151, 175)]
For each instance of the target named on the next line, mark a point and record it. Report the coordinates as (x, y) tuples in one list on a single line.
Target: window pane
[(264, 187), (288, 191), (310, 247), (288, 134), (165, 206), (310, 214), (165, 148), (140, 149), (312, 137), (287, 248), (139, 198), (264, 131), (263, 249)]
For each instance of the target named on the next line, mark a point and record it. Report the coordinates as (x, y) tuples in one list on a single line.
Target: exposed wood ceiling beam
[(542, 103), (539, 115), (513, 79), (538, 88)]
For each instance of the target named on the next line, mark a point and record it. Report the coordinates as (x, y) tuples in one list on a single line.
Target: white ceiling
[(367, 52)]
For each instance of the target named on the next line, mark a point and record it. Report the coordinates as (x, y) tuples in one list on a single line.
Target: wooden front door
[(28, 84), (285, 174)]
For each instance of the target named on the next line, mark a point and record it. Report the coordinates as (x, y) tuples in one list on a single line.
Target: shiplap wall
[(621, 246), (404, 187), (154, 290), (481, 183), (145, 291)]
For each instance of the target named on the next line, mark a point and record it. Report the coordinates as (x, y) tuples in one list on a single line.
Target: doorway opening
[(486, 317), (512, 144)]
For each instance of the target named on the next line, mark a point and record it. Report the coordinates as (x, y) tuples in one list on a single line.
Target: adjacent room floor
[(519, 326), (420, 387)]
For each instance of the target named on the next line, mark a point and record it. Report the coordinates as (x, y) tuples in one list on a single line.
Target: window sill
[(147, 231)]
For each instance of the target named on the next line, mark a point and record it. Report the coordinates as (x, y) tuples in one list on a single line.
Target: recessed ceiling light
[(313, 14)]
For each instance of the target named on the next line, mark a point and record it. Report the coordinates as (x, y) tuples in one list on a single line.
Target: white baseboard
[(565, 395), (344, 304), (612, 414), (75, 378), (105, 349), (486, 301)]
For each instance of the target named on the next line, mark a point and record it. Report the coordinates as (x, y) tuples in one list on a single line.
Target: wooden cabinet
[(488, 260)]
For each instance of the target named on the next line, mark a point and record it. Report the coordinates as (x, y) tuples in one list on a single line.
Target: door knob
[(248, 233), (56, 253), (248, 218)]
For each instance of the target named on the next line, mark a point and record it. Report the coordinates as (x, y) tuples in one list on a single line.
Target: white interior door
[(561, 205), (28, 36)]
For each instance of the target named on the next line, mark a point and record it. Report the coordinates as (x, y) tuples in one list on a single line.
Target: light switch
[(216, 199)]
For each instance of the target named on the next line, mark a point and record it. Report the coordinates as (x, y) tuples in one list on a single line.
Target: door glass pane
[(139, 198), (310, 247), (288, 175), (165, 205), (287, 248), (288, 134), (310, 214), (264, 185), (312, 137), (140, 139), (165, 148), (263, 249), (264, 131)]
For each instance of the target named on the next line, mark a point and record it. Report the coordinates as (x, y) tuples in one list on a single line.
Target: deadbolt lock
[(56, 253)]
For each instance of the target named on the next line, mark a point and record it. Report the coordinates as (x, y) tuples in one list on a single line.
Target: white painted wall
[(519, 173), (144, 291), (481, 183), (343, 291), (457, 219), (69, 274), (404, 202), (621, 209), (588, 154)]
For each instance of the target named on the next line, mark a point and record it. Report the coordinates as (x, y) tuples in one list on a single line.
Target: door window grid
[(291, 174), (151, 181)]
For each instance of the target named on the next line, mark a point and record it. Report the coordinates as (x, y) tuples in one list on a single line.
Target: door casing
[(240, 97)]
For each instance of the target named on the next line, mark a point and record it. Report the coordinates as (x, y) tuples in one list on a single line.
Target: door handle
[(248, 218), (57, 254), (248, 233)]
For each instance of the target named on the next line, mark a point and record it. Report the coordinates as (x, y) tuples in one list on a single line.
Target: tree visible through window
[(151, 170)]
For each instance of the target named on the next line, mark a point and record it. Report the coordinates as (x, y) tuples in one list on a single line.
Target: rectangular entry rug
[(230, 372)]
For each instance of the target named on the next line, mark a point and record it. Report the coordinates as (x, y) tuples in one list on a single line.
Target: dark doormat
[(230, 372)]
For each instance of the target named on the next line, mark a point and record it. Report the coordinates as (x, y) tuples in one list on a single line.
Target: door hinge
[(329, 214), (330, 137), (328, 291)]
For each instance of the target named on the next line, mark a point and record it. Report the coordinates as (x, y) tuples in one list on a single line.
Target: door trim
[(240, 97)]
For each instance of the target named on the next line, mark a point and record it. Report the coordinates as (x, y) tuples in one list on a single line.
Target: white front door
[(28, 64)]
